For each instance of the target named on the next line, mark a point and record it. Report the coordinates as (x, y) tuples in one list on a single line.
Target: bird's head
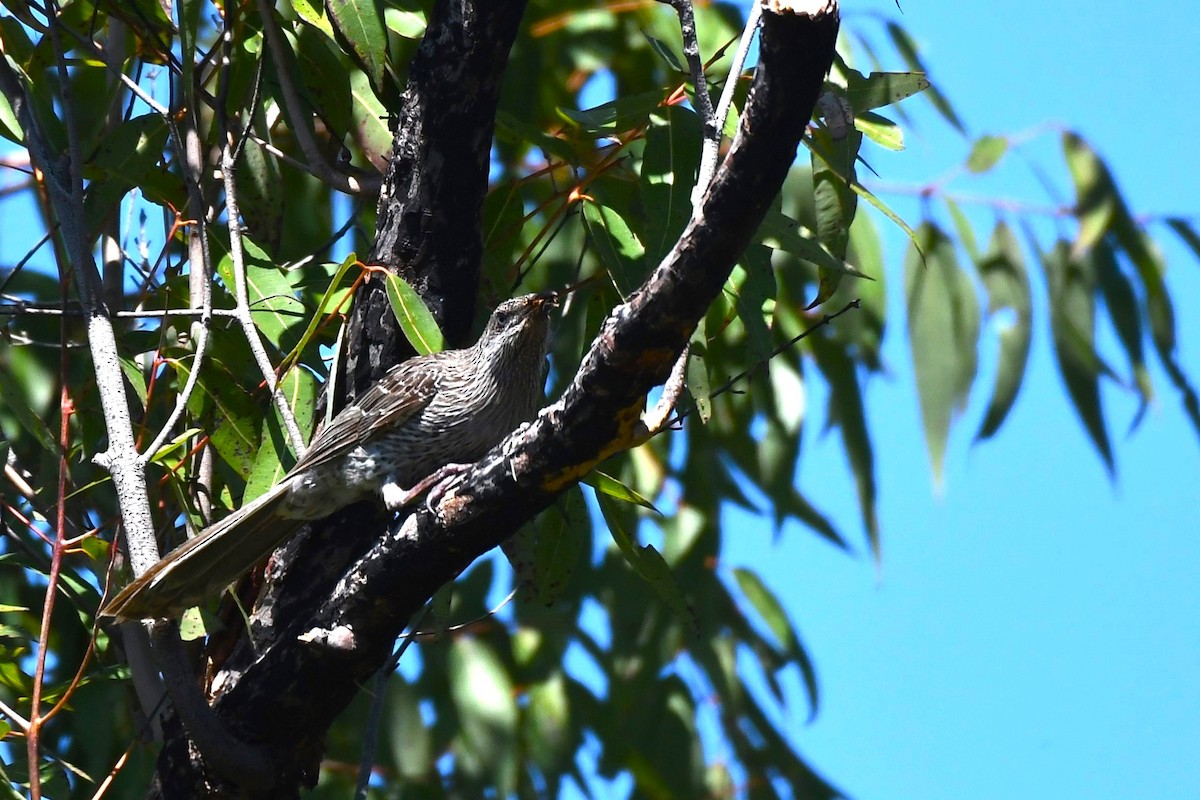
[(520, 326)]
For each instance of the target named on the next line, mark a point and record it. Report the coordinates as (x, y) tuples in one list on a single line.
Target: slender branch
[(711, 123), (244, 316), (238, 260), (318, 166), (200, 282), (22, 309), (20, 721), (708, 159)]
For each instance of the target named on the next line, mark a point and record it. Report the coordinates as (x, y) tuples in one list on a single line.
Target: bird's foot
[(396, 497)]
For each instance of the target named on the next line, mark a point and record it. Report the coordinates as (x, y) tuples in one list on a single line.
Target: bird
[(414, 428)]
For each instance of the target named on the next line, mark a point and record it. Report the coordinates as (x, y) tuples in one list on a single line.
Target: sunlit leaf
[(623, 255), (1095, 201), (880, 130), (416, 321), (360, 24), (882, 88)]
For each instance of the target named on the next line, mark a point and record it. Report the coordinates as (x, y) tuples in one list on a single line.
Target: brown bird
[(418, 424)]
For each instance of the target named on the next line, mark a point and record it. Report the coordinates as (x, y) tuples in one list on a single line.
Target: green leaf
[(274, 306), (615, 116), (846, 412), (1004, 276), (1187, 233), (311, 13), (670, 162), (370, 118), (698, 383), (880, 130), (835, 202), (607, 484), (405, 23), (408, 736), (772, 612), (360, 24), (1095, 194), (966, 234), (418, 324), (882, 88), (663, 51), (487, 709), (545, 553), (986, 153), (886, 210), (14, 396), (547, 722), (1072, 285), (943, 334), (648, 563), (275, 456), (1125, 313), (330, 300), (235, 435), (908, 51), (780, 232), (619, 249), (753, 285)]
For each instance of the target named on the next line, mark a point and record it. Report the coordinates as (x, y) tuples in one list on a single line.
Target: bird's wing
[(403, 392)]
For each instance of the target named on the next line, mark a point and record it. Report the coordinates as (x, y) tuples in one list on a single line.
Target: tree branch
[(313, 664)]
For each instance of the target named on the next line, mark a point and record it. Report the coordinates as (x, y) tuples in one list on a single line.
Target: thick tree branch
[(431, 203), (429, 230), (313, 664)]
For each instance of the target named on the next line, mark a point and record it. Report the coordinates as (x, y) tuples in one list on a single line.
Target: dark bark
[(429, 231), (287, 696)]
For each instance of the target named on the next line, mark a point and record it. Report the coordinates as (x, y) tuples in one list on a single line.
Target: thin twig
[(238, 265), (23, 309), (711, 122), (741, 376), (708, 159)]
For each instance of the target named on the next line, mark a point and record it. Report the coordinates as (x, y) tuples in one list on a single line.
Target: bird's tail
[(207, 563)]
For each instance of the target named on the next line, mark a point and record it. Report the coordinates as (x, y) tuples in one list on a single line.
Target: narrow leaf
[(360, 24), (986, 153), (607, 484), (1004, 276), (943, 332), (418, 324), (620, 251), (1072, 284), (648, 563)]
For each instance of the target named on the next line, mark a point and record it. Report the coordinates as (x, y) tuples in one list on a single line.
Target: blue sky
[(1034, 630)]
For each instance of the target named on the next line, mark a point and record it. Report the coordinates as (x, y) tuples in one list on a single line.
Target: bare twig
[(18, 309), (200, 281), (244, 316), (712, 124), (712, 149)]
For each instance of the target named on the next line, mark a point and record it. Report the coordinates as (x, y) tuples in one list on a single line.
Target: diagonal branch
[(598, 416)]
